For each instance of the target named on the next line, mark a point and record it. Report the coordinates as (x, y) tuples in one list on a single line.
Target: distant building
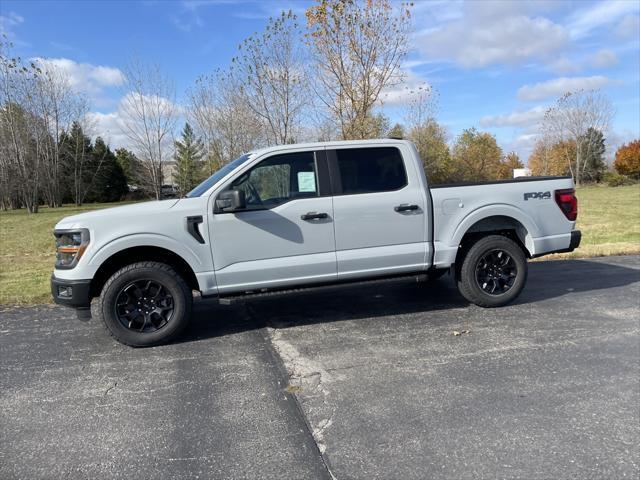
[(169, 172), (521, 172)]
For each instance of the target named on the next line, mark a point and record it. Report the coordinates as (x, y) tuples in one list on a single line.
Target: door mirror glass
[(231, 201)]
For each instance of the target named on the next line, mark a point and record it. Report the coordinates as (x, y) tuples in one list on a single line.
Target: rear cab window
[(369, 170)]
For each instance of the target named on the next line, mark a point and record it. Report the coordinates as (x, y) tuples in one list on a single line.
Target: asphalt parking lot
[(361, 383)]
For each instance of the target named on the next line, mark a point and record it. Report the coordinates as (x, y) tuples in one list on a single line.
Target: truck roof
[(333, 144)]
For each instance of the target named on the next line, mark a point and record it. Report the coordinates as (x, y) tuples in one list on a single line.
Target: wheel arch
[(142, 253), (497, 224)]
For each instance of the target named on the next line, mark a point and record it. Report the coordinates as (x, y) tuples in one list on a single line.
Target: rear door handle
[(405, 207), (314, 216)]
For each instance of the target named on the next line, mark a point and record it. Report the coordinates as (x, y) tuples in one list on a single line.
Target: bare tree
[(149, 113), (272, 77), (574, 120), (18, 145), (358, 47), (223, 119), (58, 105)]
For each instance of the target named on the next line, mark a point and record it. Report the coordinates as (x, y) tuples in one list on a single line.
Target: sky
[(496, 65)]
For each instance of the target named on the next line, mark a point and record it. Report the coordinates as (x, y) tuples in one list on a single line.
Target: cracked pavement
[(364, 382)]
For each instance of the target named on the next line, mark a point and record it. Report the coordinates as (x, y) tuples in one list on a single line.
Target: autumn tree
[(430, 139), (475, 156), (272, 78), (358, 47), (189, 151), (553, 160), (627, 160), (575, 119), (510, 162)]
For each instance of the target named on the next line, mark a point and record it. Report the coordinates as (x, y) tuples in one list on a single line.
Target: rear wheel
[(145, 304), (493, 272)]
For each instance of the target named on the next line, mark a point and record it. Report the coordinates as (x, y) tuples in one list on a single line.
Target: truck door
[(285, 235), (380, 212)]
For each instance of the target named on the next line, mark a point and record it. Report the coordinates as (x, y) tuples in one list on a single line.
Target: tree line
[(317, 78)]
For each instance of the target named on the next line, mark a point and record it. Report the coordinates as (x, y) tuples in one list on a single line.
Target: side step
[(237, 298)]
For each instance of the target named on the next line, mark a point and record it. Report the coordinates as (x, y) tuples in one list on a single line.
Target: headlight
[(70, 245)]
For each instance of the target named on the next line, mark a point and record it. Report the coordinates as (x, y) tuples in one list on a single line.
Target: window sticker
[(306, 181)]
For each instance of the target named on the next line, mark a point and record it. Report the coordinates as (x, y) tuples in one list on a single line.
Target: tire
[(493, 272), (145, 304)]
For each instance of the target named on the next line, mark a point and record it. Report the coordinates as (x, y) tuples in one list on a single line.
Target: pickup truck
[(295, 217)]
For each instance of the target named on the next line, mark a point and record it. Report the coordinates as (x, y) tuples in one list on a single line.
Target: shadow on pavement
[(547, 280)]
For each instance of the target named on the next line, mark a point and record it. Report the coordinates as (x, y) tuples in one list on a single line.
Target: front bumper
[(71, 293)]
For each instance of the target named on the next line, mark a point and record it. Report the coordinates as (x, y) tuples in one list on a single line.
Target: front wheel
[(493, 272), (145, 304)]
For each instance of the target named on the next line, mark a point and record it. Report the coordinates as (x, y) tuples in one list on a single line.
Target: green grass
[(608, 217), (27, 255)]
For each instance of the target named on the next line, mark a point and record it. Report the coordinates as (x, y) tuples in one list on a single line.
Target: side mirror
[(230, 201)]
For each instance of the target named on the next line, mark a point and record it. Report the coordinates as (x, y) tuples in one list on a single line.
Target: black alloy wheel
[(496, 272), (144, 306)]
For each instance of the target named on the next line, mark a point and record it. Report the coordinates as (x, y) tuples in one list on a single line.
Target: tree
[(553, 159), (77, 159), (627, 160), (58, 105), (594, 149), (148, 113), (358, 48), (397, 131), (430, 139), (129, 164), (476, 156), (508, 164), (22, 132), (188, 157), (574, 120), (104, 179), (272, 77), (223, 119)]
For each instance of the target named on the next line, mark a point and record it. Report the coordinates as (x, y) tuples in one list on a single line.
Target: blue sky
[(495, 64)]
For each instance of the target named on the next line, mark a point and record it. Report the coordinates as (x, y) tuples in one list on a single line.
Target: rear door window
[(368, 170)]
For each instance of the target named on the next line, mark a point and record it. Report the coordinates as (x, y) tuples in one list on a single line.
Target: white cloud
[(629, 27), (109, 127), (584, 21), (603, 59), (560, 86), (86, 78), (491, 33), (8, 23), (403, 93), (515, 119), (564, 66)]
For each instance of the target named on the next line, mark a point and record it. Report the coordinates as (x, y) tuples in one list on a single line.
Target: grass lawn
[(608, 217)]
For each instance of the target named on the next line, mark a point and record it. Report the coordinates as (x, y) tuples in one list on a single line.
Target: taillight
[(568, 203)]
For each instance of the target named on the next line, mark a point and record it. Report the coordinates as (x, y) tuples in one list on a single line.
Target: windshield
[(213, 179)]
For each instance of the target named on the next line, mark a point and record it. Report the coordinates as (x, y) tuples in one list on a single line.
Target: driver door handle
[(314, 216), (405, 207)]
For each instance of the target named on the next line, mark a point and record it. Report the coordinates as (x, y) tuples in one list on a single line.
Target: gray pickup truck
[(303, 216)]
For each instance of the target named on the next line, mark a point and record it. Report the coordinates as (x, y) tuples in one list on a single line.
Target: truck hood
[(116, 213)]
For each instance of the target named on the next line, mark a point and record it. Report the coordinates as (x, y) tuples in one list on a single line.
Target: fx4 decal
[(538, 195)]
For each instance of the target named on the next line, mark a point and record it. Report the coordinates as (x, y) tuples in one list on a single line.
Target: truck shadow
[(547, 280)]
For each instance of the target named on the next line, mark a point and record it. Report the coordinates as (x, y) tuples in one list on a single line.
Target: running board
[(236, 298)]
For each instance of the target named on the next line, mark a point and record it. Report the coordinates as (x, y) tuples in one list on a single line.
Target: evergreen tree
[(188, 156), (129, 164), (593, 148), (108, 182)]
